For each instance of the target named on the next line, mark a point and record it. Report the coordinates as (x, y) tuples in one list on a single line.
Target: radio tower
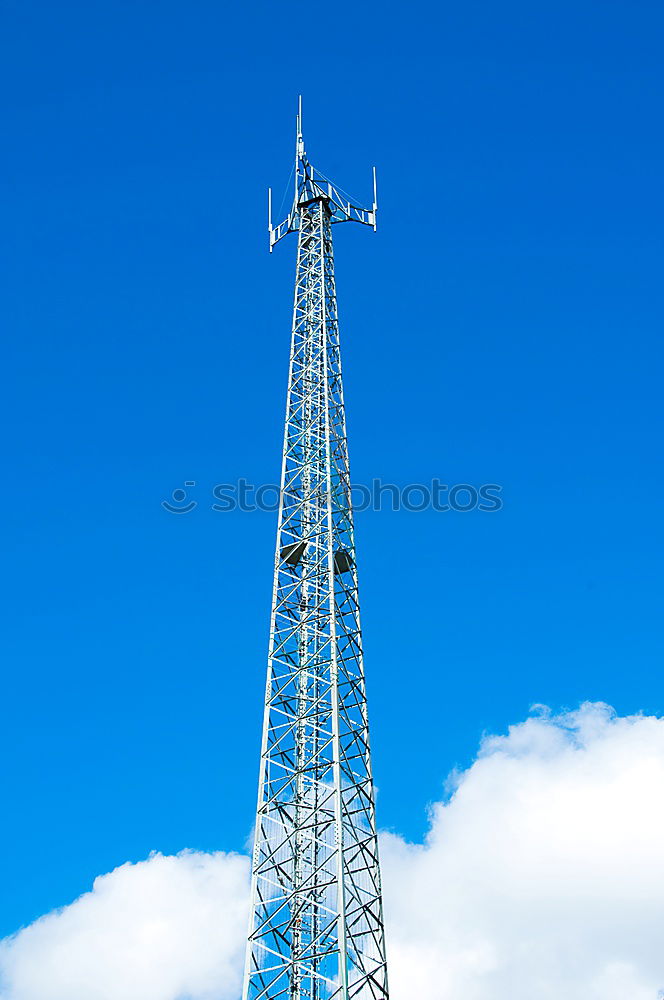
[(316, 922)]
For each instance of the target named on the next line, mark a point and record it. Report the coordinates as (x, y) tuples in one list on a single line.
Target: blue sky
[(504, 325)]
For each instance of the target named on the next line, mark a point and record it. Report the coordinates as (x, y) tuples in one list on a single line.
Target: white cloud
[(170, 928), (542, 877)]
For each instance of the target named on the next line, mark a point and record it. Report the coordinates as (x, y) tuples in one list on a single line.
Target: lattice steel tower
[(316, 923)]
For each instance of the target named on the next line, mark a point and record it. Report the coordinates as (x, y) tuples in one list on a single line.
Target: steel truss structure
[(316, 923)]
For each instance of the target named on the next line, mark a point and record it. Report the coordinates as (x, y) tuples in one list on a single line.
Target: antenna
[(309, 185), (299, 143)]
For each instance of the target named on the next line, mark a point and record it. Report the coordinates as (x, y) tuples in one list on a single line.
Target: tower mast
[(316, 921)]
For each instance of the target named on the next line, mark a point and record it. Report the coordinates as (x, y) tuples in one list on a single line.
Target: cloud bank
[(542, 877), (169, 928)]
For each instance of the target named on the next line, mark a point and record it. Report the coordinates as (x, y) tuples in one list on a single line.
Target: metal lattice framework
[(316, 924)]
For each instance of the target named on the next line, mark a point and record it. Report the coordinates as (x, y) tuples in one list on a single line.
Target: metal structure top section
[(311, 185)]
